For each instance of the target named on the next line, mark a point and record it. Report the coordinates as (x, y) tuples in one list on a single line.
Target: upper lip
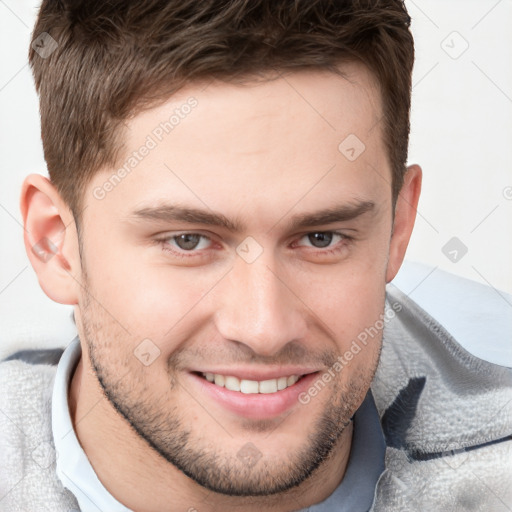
[(258, 374)]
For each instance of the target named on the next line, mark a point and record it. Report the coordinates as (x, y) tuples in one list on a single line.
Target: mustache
[(239, 353)]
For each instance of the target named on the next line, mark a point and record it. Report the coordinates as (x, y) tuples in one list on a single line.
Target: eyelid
[(343, 238), (167, 235), (164, 239)]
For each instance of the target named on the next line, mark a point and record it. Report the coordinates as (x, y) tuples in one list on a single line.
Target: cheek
[(348, 298), (149, 300)]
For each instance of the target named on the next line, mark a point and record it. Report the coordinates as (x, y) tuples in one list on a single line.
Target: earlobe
[(50, 239), (405, 215)]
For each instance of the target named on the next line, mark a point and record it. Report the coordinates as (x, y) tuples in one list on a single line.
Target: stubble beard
[(161, 425)]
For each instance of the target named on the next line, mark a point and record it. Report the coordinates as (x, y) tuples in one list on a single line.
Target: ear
[(405, 215), (51, 239)]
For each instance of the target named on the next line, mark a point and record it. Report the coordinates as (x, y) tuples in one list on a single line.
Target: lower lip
[(255, 405)]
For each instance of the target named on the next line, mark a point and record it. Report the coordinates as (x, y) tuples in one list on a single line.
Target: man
[(228, 199)]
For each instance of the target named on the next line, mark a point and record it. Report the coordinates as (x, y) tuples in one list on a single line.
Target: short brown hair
[(113, 59)]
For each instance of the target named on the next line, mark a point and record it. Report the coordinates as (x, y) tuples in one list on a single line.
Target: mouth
[(251, 387), (253, 398)]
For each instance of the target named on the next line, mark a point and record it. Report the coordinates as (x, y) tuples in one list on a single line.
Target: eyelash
[(334, 249), (164, 244)]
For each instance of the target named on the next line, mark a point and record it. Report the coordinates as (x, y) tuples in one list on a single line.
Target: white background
[(461, 136)]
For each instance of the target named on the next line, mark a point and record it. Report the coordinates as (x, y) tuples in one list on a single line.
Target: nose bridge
[(258, 309)]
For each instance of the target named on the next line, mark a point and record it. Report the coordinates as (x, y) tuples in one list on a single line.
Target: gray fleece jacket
[(446, 416)]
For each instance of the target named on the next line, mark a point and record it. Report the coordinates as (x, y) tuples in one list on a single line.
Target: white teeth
[(232, 383), (268, 386), (251, 386), (291, 380)]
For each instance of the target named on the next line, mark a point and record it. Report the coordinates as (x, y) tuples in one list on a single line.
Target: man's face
[(273, 293)]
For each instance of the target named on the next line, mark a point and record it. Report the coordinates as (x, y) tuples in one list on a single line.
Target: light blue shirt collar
[(356, 492), (73, 467)]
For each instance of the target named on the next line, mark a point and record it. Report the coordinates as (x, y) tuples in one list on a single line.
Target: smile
[(251, 386), (253, 393)]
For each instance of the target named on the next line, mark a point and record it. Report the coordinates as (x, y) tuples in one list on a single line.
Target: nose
[(259, 308)]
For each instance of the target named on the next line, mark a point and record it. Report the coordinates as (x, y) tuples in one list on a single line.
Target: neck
[(143, 481)]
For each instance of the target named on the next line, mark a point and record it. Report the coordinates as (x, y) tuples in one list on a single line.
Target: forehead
[(259, 147)]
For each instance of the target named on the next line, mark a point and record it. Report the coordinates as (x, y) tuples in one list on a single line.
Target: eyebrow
[(173, 213), (340, 213)]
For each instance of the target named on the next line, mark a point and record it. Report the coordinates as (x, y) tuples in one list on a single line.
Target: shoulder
[(26, 380), (27, 453), (50, 356), (27, 376), (427, 371), (446, 413), (444, 399), (472, 313)]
